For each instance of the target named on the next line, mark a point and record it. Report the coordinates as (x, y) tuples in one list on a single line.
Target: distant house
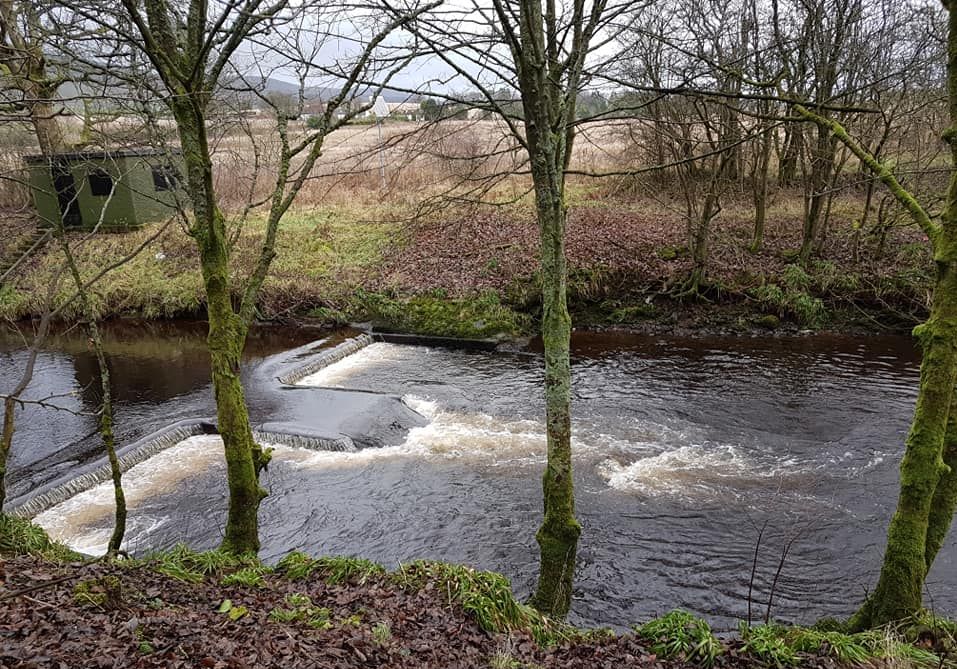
[(410, 111), (407, 110), (115, 190)]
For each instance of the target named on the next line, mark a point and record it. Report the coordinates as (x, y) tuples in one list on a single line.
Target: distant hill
[(274, 85), (73, 93)]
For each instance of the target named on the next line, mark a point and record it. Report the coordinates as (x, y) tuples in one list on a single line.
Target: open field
[(452, 222)]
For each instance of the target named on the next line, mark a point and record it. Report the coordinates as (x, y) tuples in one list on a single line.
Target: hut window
[(164, 178), (101, 183)]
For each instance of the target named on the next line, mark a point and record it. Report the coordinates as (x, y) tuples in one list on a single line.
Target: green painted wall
[(134, 200)]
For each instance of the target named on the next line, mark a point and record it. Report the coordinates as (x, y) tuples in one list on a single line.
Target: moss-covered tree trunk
[(227, 333), (759, 190), (899, 591), (926, 502), (945, 496), (109, 443), (558, 535), (9, 409), (548, 83)]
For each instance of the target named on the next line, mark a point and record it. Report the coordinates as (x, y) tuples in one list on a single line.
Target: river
[(685, 448)]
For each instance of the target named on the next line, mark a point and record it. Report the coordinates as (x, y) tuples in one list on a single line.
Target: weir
[(55, 492), (326, 358)]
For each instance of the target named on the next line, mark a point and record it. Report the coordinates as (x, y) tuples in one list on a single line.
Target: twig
[(754, 568)]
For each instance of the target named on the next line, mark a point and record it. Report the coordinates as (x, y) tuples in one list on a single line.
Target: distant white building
[(401, 111)]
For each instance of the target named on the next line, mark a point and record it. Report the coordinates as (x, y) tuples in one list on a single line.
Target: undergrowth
[(21, 537), (791, 297), (487, 596), (436, 314), (781, 646), (680, 635)]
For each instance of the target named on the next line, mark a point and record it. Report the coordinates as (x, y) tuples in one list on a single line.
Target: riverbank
[(182, 608), (472, 273)]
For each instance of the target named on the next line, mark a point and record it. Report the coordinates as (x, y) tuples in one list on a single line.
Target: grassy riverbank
[(182, 608), (472, 273)]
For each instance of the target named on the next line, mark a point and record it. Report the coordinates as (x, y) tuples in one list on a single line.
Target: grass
[(21, 537), (680, 635), (332, 570), (321, 255), (487, 597), (781, 646)]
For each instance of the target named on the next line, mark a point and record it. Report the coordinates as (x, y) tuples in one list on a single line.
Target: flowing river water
[(684, 450)]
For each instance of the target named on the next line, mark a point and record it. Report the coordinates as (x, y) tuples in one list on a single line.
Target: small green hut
[(124, 188)]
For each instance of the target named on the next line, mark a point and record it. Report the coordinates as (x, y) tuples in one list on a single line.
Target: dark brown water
[(685, 448)]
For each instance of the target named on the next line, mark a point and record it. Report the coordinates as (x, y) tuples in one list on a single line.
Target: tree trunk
[(9, 409), (945, 496), (106, 403), (225, 340), (822, 165), (47, 127), (109, 441), (759, 181), (899, 589), (558, 535), (793, 141)]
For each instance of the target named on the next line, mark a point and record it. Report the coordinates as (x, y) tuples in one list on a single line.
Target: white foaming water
[(70, 522), (475, 437), (679, 471), (338, 372)]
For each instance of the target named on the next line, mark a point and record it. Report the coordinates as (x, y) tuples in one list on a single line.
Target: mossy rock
[(768, 321)]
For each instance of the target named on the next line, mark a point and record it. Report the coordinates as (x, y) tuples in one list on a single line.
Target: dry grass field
[(442, 213)]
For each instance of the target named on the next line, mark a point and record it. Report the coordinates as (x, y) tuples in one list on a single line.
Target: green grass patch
[(21, 537), (780, 646), (487, 597), (189, 566), (251, 577), (332, 570), (321, 254), (680, 635)]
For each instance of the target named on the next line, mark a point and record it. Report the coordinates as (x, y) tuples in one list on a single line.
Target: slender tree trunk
[(225, 340), (106, 395), (822, 165), (700, 236), (9, 409), (109, 442), (558, 535), (793, 144), (760, 192)]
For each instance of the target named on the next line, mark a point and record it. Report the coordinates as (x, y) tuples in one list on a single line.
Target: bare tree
[(196, 49), (928, 494)]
